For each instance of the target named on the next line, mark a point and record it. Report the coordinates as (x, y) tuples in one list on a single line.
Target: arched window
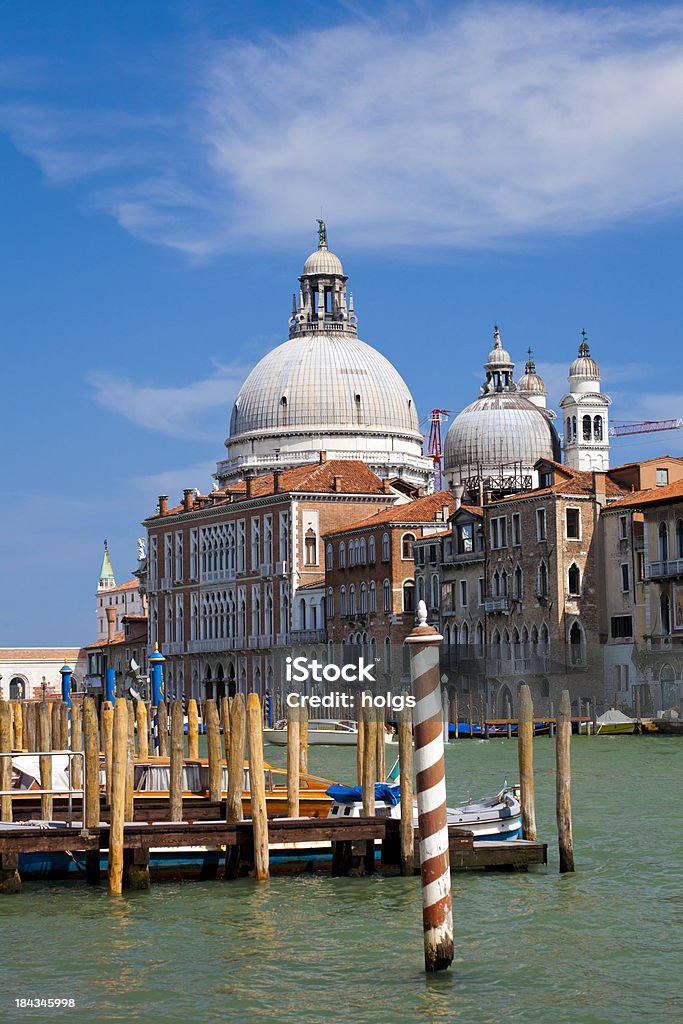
[(597, 428), (577, 654), (495, 643), (311, 553), (420, 588), (387, 654), (352, 554), (409, 596), (669, 688), (407, 545), (385, 547), (330, 602), (465, 635), (17, 688), (573, 428), (342, 600), (587, 431), (542, 582), (386, 591), (357, 547), (504, 583), (302, 613), (352, 599), (342, 555), (363, 599), (665, 608), (679, 538), (363, 555), (663, 542), (328, 557), (435, 591), (574, 580), (372, 555), (495, 590), (373, 598), (479, 640), (568, 429), (518, 584)]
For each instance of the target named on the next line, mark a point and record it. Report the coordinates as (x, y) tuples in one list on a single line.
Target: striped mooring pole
[(156, 660), (66, 673), (435, 863)]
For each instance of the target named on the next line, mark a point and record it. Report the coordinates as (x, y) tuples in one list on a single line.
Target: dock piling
[(233, 856), (293, 761), (76, 773), (303, 739), (369, 777), (5, 762), (143, 730), (175, 803), (45, 762), (259, 815), (525, 754), (213, 743), (130, 761), (360, 745), (193, 729), (91, 815), (381, 750), (107, 733), (563, 784), (405, 757), (162, 726), (117, 799)]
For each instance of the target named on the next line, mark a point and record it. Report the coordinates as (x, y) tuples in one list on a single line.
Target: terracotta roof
[(312, 586), (421, 510), (651, 496), (576, 481), (119, 637), (39, 653), (313, 478), (128, 585)]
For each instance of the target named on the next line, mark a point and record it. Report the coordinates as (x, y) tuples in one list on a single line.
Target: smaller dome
[(322, 261), (498, 356), (530, 381), (584, 365)]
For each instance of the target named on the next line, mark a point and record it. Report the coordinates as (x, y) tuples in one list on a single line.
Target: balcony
[(177, 647), (166, 583), (217, 576), (281, 639), (308, 636), (497, 604), (665, 570), (266, 569)]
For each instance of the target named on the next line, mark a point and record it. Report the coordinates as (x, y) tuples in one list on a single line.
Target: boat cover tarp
[(613, 717), (352, 794)]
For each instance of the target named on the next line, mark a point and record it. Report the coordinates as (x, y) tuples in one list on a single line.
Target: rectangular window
[(541, 525), (516, 529), (255, 543), (623, 527), (284, 536), (179, 556), (481, 590), (463, 593), (572, 523), (194, 550), (640, 563), (168, 554), (622, 627), (499, 532), (662, 477), (625, 577)]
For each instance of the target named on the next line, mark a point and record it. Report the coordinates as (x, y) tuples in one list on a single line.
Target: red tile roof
[(422, 510), (651, 496), (128, 585), (354, 477), (575, 481)]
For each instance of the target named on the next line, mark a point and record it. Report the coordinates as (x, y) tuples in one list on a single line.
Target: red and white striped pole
[(435, 863)]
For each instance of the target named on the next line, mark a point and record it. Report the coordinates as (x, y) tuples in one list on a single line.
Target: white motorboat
[(321, 732), (496, 818)]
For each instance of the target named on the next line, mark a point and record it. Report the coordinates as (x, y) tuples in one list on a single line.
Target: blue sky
[(164, 164)]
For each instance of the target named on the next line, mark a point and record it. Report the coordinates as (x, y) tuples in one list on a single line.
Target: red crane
[(434, 445), (645, 427)]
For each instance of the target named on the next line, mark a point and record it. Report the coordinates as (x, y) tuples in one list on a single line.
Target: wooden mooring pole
[(76, 773), (19, 738), (525, 754), (117, 799), (437, 910), (405, 757), (45, 762), (213, 745), (175, 803), (91, 817), (259, 815), (369, 777), (162, 726), (107, 733), (10, 881), (143, 730), (563, 781), (360, 746), (293, 761), (233, 856), (381, 756), (193, 729)]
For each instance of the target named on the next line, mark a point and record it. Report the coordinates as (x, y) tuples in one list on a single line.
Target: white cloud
[(185, 412), (487, 122)]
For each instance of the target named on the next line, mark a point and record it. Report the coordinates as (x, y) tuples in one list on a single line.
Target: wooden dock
[(295, 844)]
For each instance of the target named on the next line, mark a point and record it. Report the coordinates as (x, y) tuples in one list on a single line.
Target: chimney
[(599, 486), (488, 497), (445, 512), (458, 492), (336, 483), (163, 504), (111, 623), (247, 481), (386, 487), (188, 499), (323, 456), (276, 481)]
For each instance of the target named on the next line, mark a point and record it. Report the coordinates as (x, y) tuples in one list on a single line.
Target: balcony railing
[(307, 636), (217, 576), (665, 569), (497, 604)]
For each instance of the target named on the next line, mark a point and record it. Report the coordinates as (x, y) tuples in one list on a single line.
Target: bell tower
[(585, 414)]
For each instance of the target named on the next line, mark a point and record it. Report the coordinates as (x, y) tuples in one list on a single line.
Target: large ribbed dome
[(498, 431), (324, 382)]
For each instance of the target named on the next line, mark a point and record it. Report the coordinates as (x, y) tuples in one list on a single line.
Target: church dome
[(496, 432), (325, 391), (322, 381), (530, 382)]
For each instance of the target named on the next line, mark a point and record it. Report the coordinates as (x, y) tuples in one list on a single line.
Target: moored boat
[(333, 732), (614, 723)]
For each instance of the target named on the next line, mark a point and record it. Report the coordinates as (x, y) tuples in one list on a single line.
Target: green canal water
[(601, 945)]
